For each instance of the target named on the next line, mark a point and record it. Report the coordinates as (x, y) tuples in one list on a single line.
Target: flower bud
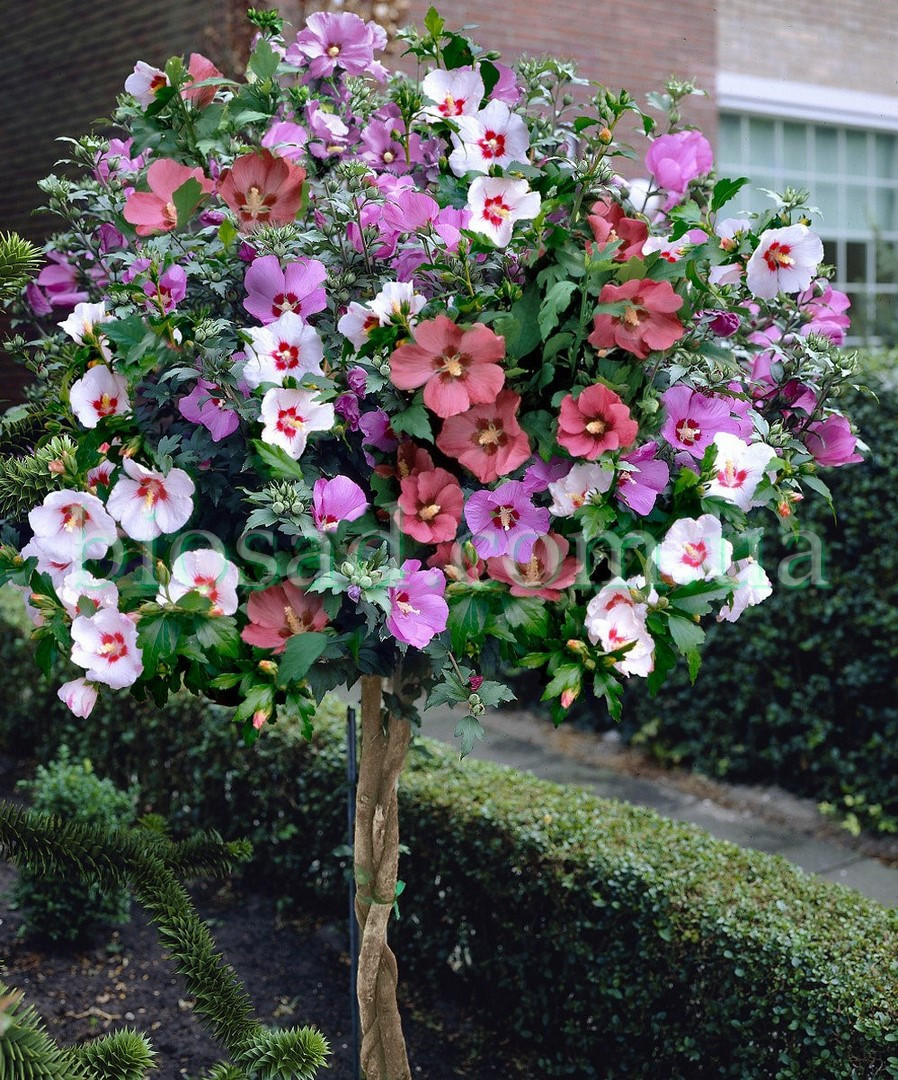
[(478, 710), (473, 699), (56, 467), (605, 135), (577, 647), (268, 667), (568, 697), (347, 569), (260, 716), (475, 682), (366, 581), (163, 574)]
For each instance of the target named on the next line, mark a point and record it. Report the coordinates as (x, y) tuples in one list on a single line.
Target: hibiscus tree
[(345, 377)]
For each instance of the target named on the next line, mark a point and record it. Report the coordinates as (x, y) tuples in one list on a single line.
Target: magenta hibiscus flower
[(594, 422), (272, 291), (457, 368), (640, 485), (505, 521), (333, 501), (203, 406), (418, 611), (693, 419)]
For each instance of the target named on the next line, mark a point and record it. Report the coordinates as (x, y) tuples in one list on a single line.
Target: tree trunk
[(384, 748)]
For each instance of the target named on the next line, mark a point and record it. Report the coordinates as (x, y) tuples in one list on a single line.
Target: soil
[(296, 972)]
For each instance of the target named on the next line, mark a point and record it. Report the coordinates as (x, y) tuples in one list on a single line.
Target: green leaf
[(415, 422), (554, 304), (278, 461), (697, 597), (300, 654), (259, 698), (725, 190), (467, 619), (567, 677), (688, 637), (158, 637), (186, 199), (492, 693), (467, 730), (520, 326), (219, 634), (264, 61), (527, 614), (490, 75), (433, 24)]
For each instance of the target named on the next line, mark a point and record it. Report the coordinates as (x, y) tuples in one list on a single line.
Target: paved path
[(766, 819)]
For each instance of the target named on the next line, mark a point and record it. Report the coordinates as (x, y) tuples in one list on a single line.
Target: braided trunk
[(384, 748)]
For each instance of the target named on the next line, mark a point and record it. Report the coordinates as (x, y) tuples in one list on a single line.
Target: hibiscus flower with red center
[(487, 439), (546, 574), (430, 506), (263, 189), (610, 225), (594, 422), (457, 368), (154, 211), (279, 612), (648, 322)]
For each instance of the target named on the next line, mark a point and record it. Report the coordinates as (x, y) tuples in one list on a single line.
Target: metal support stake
[(352, 778)]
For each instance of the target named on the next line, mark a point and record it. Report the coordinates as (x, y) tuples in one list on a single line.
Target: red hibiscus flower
[(457, 368), (487, 439), (648, 323), (595, 422), (548, 572), (154, 211), (263, 189), (609, 224), (431, 506)]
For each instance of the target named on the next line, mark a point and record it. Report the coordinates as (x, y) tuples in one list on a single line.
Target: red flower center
[(256, 204), (452, 364), (505, 517), (451, 106), (778, 257), (74, 516), (290, 422), (492, 145), (489, 436), (151, 491), (105, 405), (694, 554), (112, 647), (688, 431), (495, 210), (286, 356), (282, 302), (731, 477)]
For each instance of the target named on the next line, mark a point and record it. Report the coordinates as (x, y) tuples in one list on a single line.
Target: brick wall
[(850, 44), (63, 69), (635, 45)]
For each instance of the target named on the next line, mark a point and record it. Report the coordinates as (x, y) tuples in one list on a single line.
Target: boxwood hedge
[(803, 690), (618, 943)]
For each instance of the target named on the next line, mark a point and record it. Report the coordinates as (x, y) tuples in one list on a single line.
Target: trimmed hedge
[(618, 943), (803, 690)]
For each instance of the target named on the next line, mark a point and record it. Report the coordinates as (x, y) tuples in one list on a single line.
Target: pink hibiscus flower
[(334, 40), (457, 368), (272, 291), (546, 574), (279, 612), (610, 224), (639, 485), (106, 645), (693, 419), (674, 161), (202, 406), (154, 211), (430, 506), (505, 521), (418, 610), (333, 501), (594, 422), (200, 68), (262, 189), (649, 322), (831, 443), (487, 439)]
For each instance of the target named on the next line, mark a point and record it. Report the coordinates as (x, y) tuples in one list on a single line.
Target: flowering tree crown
[(342, 371)]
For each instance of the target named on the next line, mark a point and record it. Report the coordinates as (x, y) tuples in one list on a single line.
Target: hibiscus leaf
[(159, 637), (493, 693), (687, 636), (490, 75), (415, 422), (301, 652), (556, 301), (726, 189), (696, 597), (520, 326), (433, 24), (279, 463), (186, 199), (218, 634), (259, 698), (264, 61), (606, 686), (467, 620), (527, 614), (467, 730), (566, 677)]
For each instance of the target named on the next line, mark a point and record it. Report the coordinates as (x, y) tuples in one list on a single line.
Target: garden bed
[(296, 971)]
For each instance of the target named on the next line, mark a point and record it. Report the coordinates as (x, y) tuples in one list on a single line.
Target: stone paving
[(764, 819)]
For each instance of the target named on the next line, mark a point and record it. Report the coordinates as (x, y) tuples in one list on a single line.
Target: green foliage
[(19, 259), (63, 907), (146, 859), (26, 1051), (25, 481), (617, 942), (803, 690)]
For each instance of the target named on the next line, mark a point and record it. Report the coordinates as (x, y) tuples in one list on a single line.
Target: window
[(852, 175)]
